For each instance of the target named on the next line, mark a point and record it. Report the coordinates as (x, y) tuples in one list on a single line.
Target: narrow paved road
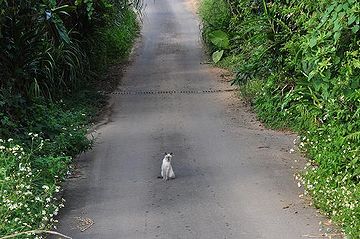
[(234, 178)]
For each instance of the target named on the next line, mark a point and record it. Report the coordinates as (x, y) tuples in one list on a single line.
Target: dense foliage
[(298, 62), (52, 56)]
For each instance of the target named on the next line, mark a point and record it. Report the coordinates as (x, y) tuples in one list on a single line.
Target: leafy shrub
[(298, 63), (48, 97), (221, 41), (45, 45), (113, 42), (27, 188), (32, 168), (216, 15), (37, 57)]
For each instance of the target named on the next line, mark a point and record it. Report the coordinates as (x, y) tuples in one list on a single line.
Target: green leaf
[(345, 6), (65, 9), (339, 8), (220, 39), (337, 25), (217, 55), (355, 29), (337, 36), (317, 85), (341, 15), (313, 41), (351, 19), (323, 20), (355, 84), (325, 91), (52, 3), (331, 8), (62, 33)]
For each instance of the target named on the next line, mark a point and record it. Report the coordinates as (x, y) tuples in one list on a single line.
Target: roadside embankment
[(297, 63), (53, 63)]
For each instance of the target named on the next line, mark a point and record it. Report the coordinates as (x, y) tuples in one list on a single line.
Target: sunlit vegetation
[(298, 63), (53, 55)]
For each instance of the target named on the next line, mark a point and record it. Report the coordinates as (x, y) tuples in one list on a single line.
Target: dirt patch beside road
[(193, 5)]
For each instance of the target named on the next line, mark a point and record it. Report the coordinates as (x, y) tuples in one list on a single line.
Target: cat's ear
[(165, 153), (171, 154)]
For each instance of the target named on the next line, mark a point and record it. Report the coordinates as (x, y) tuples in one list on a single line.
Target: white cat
[(166, 169)]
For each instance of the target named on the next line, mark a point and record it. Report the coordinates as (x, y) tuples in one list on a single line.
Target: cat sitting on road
[(166, 169)]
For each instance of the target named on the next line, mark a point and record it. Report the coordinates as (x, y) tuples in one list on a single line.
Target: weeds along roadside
[(297, 62), (52, 61)]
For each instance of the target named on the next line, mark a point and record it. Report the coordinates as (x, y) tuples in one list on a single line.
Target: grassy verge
[(39, 142), (298, 65), (331, 175)]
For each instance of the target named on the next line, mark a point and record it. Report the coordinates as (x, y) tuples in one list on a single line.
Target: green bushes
[(37, 57), (32, 165), (52, 54), (216, 17), (28, 185), (298, 62), (112, 42), (49, 47), (216, 14)]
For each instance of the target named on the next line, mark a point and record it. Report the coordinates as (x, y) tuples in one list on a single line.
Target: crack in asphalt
[(162, 92)]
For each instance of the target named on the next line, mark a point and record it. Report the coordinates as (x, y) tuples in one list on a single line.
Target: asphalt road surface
[(234, 178)]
